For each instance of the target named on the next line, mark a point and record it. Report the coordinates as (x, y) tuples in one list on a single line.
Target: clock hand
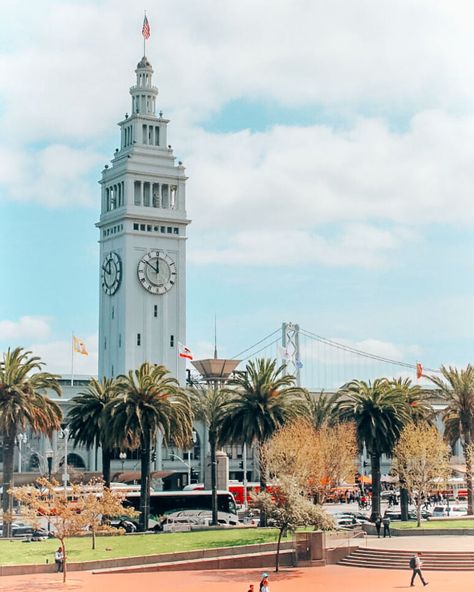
[(150, 265)]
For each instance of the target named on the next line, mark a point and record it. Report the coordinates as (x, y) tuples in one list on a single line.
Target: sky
[(329, 148)]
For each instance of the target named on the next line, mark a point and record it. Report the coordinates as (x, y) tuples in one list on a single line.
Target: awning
[(389, 479), (366, 479), (128, 476)]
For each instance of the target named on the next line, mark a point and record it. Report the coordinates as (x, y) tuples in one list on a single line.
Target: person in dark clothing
[(415, 564), (386, 527), (378, 524)]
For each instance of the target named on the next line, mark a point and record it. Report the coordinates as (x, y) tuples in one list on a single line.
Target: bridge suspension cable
[(359, 352), (256, 344)]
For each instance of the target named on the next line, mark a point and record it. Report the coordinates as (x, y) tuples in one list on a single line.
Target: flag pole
[(72, 359)]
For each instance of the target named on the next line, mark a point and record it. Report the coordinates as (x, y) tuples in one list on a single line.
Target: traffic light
[(241, 464), (153, 456)]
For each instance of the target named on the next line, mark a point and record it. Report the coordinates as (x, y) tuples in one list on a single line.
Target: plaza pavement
[(334, 578)]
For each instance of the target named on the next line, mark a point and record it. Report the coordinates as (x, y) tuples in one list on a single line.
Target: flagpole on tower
[(145, 33)]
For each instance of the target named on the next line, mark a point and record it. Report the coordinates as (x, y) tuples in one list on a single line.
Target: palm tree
[(88, 421), (23, 405), (148, 401), (322, 409), (379, 412), (456, 387), (261, 399), (208, 405), (420, 410)]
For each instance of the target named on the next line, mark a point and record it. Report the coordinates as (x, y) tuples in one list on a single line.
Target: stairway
[(398, 559)]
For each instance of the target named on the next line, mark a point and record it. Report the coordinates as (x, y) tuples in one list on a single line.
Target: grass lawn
[(430, 524), (108, 547)]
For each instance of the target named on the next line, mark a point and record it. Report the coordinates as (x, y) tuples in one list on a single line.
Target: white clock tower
[(142, 313)]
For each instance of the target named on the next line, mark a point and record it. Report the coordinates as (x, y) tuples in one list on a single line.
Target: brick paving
[(333, 578)]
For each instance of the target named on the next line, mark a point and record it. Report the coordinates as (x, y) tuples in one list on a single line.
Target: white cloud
[(57, 175), (26, 328), (308, 176), (358, 245)]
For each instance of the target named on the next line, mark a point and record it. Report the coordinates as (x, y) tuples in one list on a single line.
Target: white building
[(142, 310)]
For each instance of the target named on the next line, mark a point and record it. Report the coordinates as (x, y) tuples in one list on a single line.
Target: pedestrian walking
[(415, 565), (386, 527), (378, 524), (59, 560), (264, 586)]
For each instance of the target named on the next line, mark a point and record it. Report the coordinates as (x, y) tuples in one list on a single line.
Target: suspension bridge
[(319, 363)]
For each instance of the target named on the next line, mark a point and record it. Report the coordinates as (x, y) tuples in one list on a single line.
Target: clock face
[(111, 272), (157, 272)]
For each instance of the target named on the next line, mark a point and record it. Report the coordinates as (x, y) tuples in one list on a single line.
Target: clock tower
[(142, 312)]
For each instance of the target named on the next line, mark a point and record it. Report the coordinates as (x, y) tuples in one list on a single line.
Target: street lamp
[(174, 456), (122, 457), (194, 436), (64, 433), (49, 459), (21, 439)]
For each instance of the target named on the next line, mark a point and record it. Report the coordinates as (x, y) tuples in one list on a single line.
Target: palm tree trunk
[(213, 446), (145, 482), (8, 459), (262, 458), (468, 457), (106, 465), (375, 466)]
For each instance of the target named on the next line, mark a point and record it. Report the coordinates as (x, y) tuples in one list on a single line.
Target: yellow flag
[(79, 346)]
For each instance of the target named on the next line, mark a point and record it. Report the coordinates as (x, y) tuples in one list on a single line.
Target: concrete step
[(399, 559)]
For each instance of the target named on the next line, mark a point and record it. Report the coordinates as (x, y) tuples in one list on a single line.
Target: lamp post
[(64, 433), (21, 439), (122, 457), (49, 459), (174, 456), (194, 436)]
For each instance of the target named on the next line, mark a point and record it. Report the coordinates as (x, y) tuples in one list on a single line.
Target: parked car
[(19, 529), (127, 525), (442, 511)]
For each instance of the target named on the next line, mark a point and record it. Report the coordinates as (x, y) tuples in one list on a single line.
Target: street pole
[(49, 458), (244, 452), (189, 467), (65, 434)]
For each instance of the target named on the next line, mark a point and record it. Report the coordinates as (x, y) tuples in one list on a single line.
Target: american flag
[(146, 28)]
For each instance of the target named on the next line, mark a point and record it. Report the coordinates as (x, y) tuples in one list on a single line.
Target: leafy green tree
[(289, 509), (208, 404), (379, 413), (23, 405), (322, 409), (261, 399), (421, 411), (421, 461), (148, 401), (88, 420), (456, 387)]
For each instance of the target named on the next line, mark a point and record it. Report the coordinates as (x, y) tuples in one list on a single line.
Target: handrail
[(346, 541)]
